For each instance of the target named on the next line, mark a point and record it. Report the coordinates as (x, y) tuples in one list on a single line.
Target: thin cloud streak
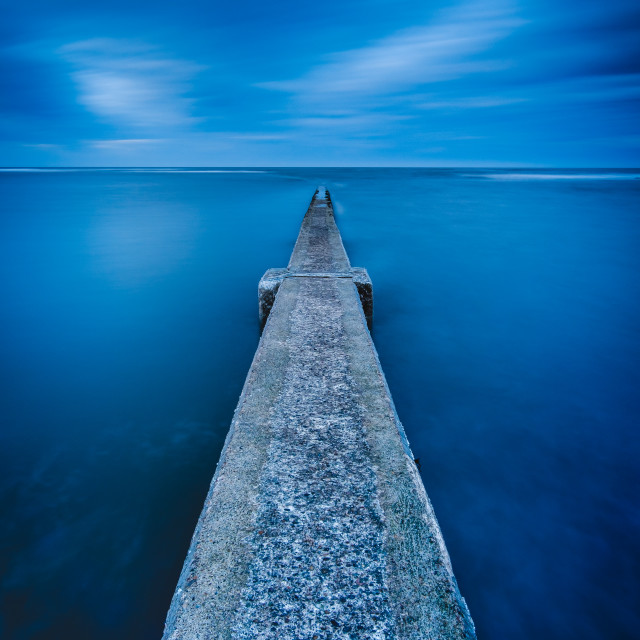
[(471, 103), (125, 143)]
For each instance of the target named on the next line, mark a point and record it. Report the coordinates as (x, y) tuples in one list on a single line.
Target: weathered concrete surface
[(317, 524)]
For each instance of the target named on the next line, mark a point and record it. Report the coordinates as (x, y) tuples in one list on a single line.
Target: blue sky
[(338, 83)]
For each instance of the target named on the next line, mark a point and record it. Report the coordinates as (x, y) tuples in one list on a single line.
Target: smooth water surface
[(507, 318)]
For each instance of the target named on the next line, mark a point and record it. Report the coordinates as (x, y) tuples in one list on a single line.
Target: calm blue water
[(507, 321)]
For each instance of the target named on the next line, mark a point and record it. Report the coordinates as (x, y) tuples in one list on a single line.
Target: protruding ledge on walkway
[(272, 279), (317, 525)]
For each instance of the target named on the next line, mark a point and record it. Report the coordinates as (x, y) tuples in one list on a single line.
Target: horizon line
[(313, 166)]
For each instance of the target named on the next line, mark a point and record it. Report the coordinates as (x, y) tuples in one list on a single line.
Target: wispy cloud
[(380, 93), (443, 50), (132, 85)]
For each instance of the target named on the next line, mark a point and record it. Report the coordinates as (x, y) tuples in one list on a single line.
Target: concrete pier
[(317, 524)]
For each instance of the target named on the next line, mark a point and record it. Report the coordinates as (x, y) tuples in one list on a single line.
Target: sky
[(544, 83)]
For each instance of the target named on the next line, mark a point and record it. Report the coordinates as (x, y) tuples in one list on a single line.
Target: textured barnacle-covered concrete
[(317, 524)]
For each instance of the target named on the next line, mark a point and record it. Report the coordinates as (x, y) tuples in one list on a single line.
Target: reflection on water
[(507, 321)]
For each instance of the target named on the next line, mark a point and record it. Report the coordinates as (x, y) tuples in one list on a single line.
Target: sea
[(507, 320)]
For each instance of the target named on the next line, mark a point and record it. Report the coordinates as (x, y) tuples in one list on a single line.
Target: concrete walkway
[(317, 524)]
